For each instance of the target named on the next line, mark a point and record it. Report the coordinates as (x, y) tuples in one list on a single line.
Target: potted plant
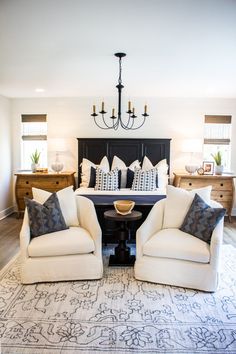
[(218, 161), (35, 160)]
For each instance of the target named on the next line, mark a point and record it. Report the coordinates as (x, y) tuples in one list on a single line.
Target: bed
[(129, 150)]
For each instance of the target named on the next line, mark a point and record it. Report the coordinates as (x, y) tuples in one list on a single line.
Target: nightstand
[(51, 182), (222, 187)]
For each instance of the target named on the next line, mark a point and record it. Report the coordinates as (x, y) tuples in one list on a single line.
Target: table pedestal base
[(114, 261)]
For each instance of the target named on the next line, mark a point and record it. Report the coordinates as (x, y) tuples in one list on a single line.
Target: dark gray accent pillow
[(201, 219), (130, 178), (92, 180), (45, 218)]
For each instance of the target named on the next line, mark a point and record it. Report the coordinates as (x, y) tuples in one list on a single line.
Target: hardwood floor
[(9, 238), (10, 229)]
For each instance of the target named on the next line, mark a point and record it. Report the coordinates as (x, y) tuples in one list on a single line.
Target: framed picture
[(208, 167)]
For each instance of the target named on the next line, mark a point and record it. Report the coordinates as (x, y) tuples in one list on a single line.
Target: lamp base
[(191, 169), (57, 166)]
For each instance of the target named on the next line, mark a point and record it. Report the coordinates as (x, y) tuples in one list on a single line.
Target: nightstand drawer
[(57, 182), (193, 183), (24, 192), (222, 196)]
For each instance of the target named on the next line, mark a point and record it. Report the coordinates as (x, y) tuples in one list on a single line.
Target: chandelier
[(131, 121)]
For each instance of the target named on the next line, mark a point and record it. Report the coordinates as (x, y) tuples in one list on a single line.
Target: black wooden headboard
[(128, 150)]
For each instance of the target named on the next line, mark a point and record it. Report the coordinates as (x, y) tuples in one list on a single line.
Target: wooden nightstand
[(222, 187), (51, 182)]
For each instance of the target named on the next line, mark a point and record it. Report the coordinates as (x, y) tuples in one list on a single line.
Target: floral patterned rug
[(117, 314)]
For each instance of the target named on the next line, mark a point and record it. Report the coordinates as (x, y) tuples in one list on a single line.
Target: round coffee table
[(122, 256)]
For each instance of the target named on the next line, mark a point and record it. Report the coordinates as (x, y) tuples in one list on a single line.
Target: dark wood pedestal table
[(122, 256)]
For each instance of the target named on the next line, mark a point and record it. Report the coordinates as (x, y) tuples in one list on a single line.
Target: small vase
[(34, 167), (219, 169)]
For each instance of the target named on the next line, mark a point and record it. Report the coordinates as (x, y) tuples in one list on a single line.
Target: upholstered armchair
[(71, 254), (167, 255)]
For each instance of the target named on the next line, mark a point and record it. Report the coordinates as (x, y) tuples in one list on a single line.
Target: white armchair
[(72, 254), (170, 256)]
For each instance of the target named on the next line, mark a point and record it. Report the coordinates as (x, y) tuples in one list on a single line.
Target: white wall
[(175, 118), (6, 180)]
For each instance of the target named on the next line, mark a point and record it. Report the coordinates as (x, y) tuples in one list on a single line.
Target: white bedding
[(122, 191)]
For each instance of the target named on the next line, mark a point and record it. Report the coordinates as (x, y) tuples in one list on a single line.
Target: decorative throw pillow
[(118, 163), (92, 179), (107, 181), (144, 180), (162, 170), (86, 169), (67, 202), (130, 178), (201, 219), (45, 218), (177, 204)]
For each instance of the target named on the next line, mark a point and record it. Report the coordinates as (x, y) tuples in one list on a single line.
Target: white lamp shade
[(192, 145), (57, 144)]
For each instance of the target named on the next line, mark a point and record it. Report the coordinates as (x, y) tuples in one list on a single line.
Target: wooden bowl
[(123, 206)]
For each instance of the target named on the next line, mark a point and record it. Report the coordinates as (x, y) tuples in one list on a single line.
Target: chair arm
[(216, 242), (88, 220), (25, 235), (150, 226)]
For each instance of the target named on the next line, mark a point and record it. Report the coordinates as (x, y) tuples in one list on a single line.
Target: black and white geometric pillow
[(107, 181), (145, 180)]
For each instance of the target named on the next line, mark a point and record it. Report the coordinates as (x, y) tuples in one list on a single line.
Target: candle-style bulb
[(102, 106), (94, 108), (145, 108), (129, 106)]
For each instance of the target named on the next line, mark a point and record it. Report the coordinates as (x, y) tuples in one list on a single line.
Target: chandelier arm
[(126, 126), (102, 127), (116, 124), (135, 128), (108, 126)]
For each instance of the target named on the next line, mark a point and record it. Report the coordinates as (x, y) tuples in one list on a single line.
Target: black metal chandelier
[(130, 123)]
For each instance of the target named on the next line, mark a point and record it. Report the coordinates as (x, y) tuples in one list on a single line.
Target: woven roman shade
[(217, 119), (34, 118)]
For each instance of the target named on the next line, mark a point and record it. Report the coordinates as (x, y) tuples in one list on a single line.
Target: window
[(217, 134), (34, 136)]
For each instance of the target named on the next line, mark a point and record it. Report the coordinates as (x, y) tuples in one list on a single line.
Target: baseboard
[(4, 213)]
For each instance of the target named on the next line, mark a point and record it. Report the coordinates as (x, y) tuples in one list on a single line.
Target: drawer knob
[(27, 182), (57, 182), (221, 184), (27, 193), (221, 196), (190, 183)]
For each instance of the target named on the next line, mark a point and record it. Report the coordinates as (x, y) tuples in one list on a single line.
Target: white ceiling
[(175, 48)]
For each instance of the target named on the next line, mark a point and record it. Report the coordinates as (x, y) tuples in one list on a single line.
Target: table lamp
[(192, 146), (57, 145)]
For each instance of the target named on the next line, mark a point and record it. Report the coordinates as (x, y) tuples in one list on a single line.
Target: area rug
[(117, 314)]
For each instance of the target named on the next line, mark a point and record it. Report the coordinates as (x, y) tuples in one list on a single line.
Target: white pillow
[(67, 203), (86, 169), (118, 163), (178, 202), (162, 169)]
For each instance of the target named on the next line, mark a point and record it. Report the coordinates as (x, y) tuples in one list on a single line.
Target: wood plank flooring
[(10, 229), (9, 238)]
